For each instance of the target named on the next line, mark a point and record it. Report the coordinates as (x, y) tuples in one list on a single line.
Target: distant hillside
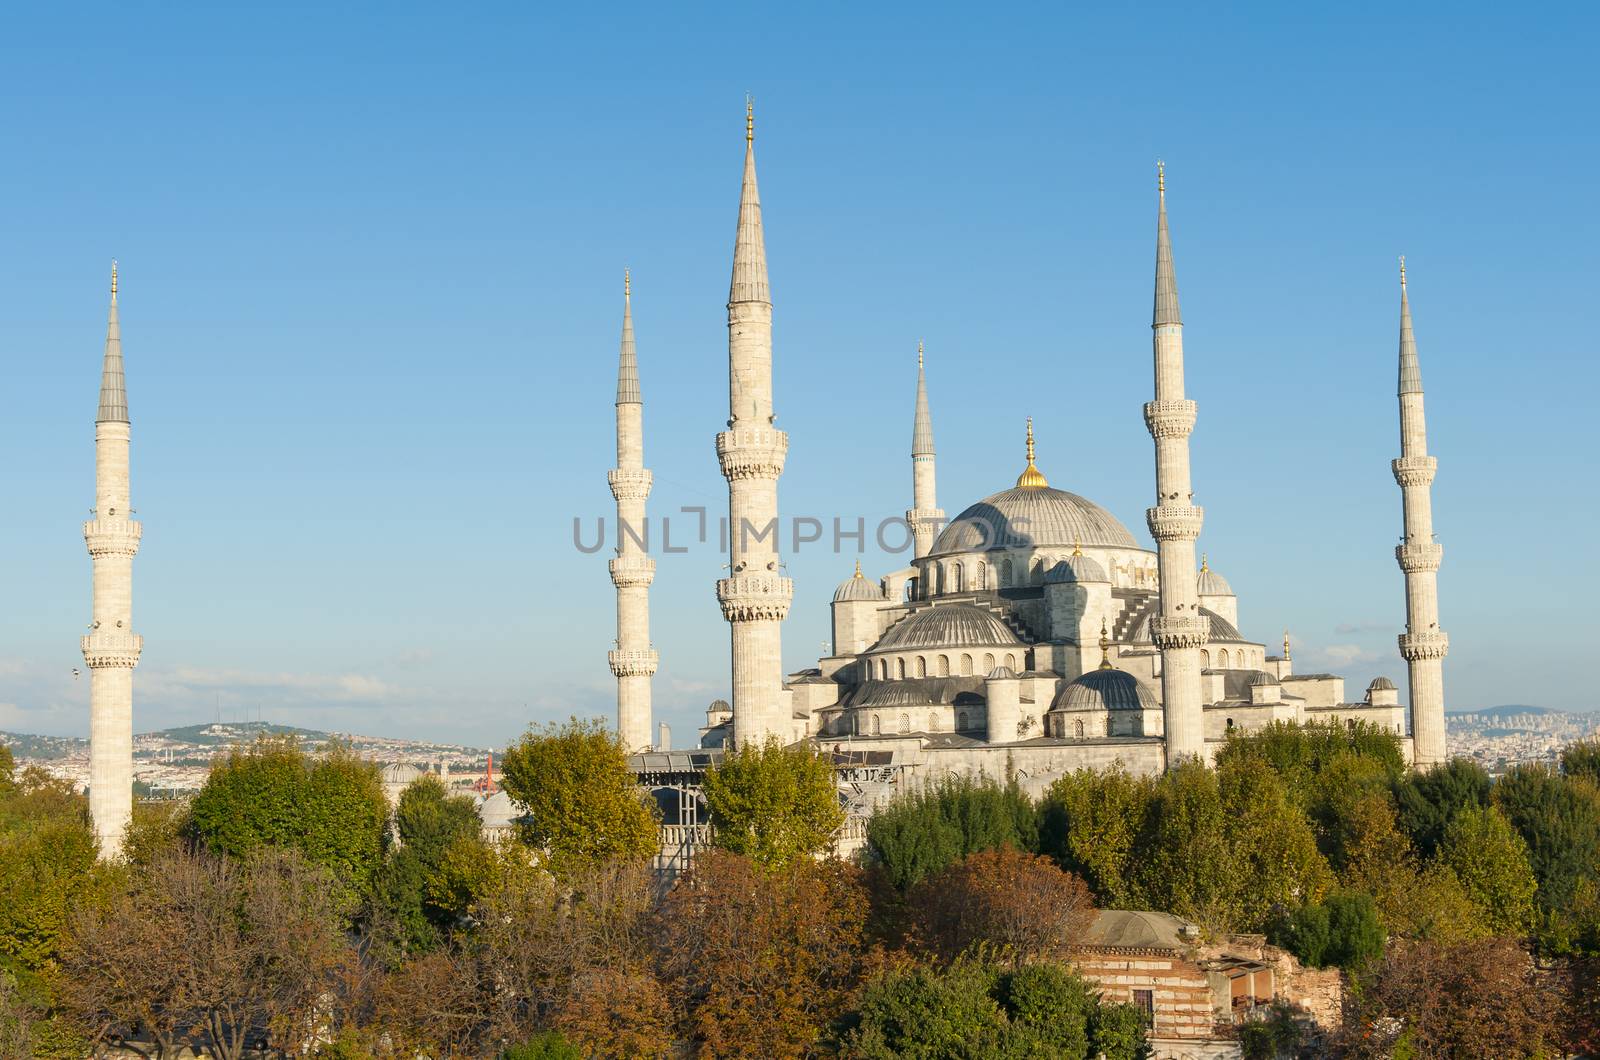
[(1509, 710), (226, 733), (26, 745)]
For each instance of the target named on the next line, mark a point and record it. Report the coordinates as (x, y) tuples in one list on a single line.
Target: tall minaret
[(1179, 629), (924, 516), (111, 649), (633, 661), (755, 596), (1423, 645)]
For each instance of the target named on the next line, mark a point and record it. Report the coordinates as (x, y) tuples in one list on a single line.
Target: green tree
[(1272, 849), (932, 828), (1429, 801), (8, 773), (47, 859), (921, 1013), (547, 1046), (1051, 1007), (1089, 822), (1580, 758), (773, 804), (1298, 752), (417, 904), (1345, 931), (1559, 818), (331, 808), (582, 803), (1491, 861), (1183, 862)]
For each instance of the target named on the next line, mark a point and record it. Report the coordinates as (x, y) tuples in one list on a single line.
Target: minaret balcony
[(630, 484), (1419, 556), (755, 597), (632, 569), (1430, 645), (1170, 419), (112, 537), (633, 663), (112, 649), (1415, 470), (752, 452), (1180, 631), (1175, 522)]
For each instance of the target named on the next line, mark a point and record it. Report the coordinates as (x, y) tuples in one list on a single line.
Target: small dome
[(399, 773), (858, 587), (1108, 689), (1262, 678), (497, 811), (1382, 684), (1076, 568), (1213, 584), (1002, 673), (1221, 628), (949, 626)]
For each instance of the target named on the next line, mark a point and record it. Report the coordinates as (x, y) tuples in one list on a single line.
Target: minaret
[(633, 661), (111, 649), (1174, 522), (1423, 645), (925, 516), (755, 595)]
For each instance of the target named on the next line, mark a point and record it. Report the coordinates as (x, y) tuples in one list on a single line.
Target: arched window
[(1005, 573), (956, 581), (1223, 656), (905, 723), (1036, 573), (966, 666), (983, 576), (961, 721), (943, 664), (910, 591), (877, 725), (933, 576), (1077, 727), (1230, 724), (988, 663), (900, 669), (1205, 659), (1011, 660), (933, 721), (922, 666)]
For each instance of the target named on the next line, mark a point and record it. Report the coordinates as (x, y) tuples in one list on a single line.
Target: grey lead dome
[(1027, 517)]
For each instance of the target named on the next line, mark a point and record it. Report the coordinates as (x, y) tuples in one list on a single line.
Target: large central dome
[(1033, 517)]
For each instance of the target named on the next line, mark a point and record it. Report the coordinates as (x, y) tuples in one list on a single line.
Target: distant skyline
[(371, 292)]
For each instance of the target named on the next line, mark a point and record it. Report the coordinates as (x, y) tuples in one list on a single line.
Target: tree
[(8, 771), (1559, 818), (47, 858), (435, 1005), (582, 803), (761, 958), (1491, 861), (1345, 931), (331, 809), (1050, 1006), (1429, 801), (1022, 905), (934, 827), (1581, 758), (427, 882), (1183, 862), (1090, 821), (1476, 999), (1272, 849), (773, 804), (1299, 752)]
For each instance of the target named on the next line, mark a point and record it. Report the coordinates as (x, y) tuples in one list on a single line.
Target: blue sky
[(372, 260)]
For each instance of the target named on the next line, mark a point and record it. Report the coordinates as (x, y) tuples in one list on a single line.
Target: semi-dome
[(1221, 628), (1076, 568), (1030, 517), (1002, 673), (858, 587), (1106, 689), (1261, 677), (1382, 684), (949, 626), (1210, 583)]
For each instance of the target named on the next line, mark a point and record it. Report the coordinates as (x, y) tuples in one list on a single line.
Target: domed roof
[(1221, 628), (858, 587), (1211, 583), (1262, 678), (400, 773), (1076, 568), (1381, 683), (949, 626), (1033, 516), (1106, 689), (1002, 673), (498, 811)]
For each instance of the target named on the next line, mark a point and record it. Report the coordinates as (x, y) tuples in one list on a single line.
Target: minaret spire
[(633, 661), (111, 648), (755, 596), (1423, 645), (1180, 629), (925, 517)]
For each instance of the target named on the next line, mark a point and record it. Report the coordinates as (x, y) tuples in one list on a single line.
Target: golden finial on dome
[(1105, 646), (1077, 547), (1204, 567), (749, 119), (858, 567), (1286, 644), (1031, 478), (113, 275)]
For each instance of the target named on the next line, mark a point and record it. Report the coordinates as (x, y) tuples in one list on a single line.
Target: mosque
[(1032, 634)]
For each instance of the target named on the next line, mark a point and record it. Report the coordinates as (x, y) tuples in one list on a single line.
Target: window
[(933, 721), (877, 725), (1145, 1002), (1223, 656), (1005, 573), (944, 666), (1205, 659), (955, 582), (983, 576), (961, 722), (988, 663), (900, 669), (1078, 728), (1011, 660), (905, 723), (966, 666), (1230, 724), (922, 666)]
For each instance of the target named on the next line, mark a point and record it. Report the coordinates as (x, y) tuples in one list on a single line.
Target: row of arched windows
[(882, 668), (903, 724), (1224, 660)]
